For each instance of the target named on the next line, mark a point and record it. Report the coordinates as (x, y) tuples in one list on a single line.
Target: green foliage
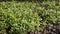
[(24, 17), (19, 17), (49, 13)]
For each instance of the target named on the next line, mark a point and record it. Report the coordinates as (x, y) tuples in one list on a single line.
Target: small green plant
[(23, 17), (48, 13), (18, 18)]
